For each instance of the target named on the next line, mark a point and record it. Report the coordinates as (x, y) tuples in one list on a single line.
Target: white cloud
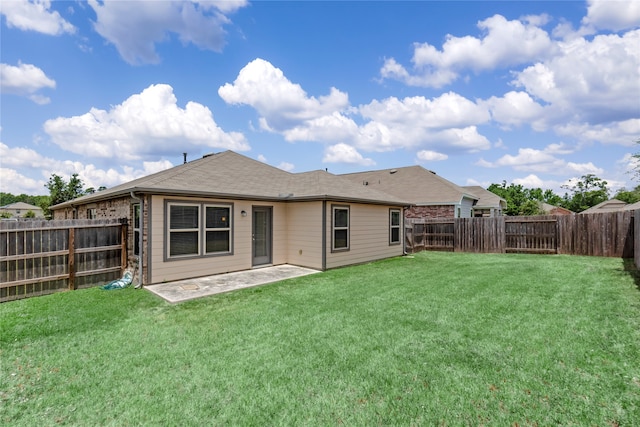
[(431, 156), (12, 181), (542, 161), (447, 122), (286, 166), (621, 133), (134, 27), (588, 81), (515, 109), (35, 15), (281, 103), (611, 15), (574, 83), (446, 111), (25, 80), (504, 43), (145, 125), (530, 181), (343, 153), (26, 159)]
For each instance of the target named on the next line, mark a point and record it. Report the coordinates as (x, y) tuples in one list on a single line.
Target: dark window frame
[(340, 228), (201, 229), (393, 226)]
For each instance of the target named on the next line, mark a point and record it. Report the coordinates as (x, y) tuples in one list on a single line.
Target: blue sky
[(533, 93)]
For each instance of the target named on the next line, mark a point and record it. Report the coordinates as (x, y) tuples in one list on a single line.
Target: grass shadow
[(631, 269)]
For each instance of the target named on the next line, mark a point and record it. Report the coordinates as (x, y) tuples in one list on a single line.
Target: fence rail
[(43, 257), (605, 234)]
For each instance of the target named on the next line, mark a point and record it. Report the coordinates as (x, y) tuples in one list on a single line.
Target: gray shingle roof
[(606, 206), (413, 183), (233, 176), (486, 199)]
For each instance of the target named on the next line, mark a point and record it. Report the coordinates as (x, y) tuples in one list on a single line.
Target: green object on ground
[(122, 283)]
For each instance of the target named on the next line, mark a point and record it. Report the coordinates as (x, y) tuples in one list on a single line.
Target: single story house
[(226, 212), (430, 195), (489, 204), (20, 209)]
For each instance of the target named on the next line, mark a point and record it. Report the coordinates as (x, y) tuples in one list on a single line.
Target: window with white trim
[(198, 229), (340, 228), (394, 226)]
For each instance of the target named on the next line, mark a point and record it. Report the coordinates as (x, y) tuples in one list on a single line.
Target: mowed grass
[(435, 339)]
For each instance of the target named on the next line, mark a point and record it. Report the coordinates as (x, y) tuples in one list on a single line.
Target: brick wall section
[(114, 208), (431, 212)]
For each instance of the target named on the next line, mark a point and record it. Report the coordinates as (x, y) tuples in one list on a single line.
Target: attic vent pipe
[(185, 157)]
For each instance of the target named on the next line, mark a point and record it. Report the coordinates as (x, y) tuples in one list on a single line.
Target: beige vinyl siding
[(279, 233), (368, 236), (466, 208), (304, 223), (241, 258)]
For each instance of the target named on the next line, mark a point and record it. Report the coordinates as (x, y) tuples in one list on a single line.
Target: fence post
[(72, 259)]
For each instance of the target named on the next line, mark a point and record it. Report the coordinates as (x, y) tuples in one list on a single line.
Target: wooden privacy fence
[(43, 257), (604, 234)]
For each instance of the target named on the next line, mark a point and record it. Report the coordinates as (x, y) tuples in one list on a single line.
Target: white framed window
[(198, 229), (339, 228), (394, 226)]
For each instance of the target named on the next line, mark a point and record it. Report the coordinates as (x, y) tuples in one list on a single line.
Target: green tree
[(7, 199), (30, 214), (632, 196), (75, 188), (520, 200), (57, 189), (61, 191), (588, 191)]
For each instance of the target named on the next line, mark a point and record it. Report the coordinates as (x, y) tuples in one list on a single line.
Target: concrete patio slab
[(184, 290)]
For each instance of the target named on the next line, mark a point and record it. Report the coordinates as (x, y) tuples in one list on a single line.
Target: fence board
[(42, 257), (604, 234)]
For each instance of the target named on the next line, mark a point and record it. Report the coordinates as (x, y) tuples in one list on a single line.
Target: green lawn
[(434, 339)]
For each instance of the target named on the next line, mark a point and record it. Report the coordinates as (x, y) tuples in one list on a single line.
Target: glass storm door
[(261, 235)]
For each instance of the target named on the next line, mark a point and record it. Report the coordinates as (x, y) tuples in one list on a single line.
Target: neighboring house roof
[(21, 206), (230, 175), (486, 199), (632, 207), (607, 206), (416, 184), (554, 210)]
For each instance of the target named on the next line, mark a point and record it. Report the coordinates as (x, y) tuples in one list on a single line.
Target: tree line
[(581, 195), (60, 191)]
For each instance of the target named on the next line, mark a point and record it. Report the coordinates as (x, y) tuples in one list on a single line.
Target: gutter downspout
[(404, 231), (140, 239)]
